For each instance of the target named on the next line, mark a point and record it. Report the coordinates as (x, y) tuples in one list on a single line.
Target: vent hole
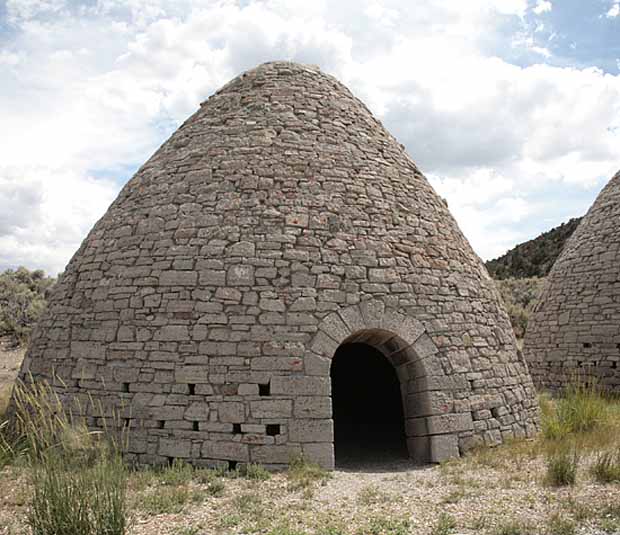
[(273, 430), (170, 461), (126, 422), (125, 387), (232, 465), (236, 429), (264, 390), (161, 424), (195, 426), (587, 345), (192, 389)]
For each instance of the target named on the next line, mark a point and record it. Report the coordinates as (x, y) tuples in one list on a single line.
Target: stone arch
[(431, 429)]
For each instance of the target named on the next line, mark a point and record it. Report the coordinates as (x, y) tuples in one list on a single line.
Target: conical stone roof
[(574, 332), (279, 221)]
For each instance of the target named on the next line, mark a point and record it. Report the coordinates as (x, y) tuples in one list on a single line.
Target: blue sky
[(510, 107)]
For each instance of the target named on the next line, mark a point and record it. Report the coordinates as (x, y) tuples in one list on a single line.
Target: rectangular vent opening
[(195, 426), (126, 422), (161, 424), (587, 345), (273, 430), (125, 387), (264, 389), (236, 429), (232, 465), (192, 389), (170, 461)]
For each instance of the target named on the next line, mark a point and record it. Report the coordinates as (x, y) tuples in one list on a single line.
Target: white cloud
[(614, 11), (542, 6), (93, 90)]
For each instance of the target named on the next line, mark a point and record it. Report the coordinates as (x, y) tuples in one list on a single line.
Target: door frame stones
[(432, 431)]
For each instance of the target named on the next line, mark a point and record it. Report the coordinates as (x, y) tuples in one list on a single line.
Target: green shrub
[(582, 408), (606, 467), (445, 525), (562, 466), (519, 296), (165, 500), (22, 300), (559, 525), (254, 472), (303, 474), (513, 527)]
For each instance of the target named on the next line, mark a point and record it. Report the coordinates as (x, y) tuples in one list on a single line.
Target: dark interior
[(369, 425)]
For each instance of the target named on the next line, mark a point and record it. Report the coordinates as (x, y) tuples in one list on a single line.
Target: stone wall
[(574, 333), (279, 221)]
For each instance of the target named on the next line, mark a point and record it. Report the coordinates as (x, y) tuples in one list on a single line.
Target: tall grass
[(78, 476), (562, 466), (582, 408), (606, 467)]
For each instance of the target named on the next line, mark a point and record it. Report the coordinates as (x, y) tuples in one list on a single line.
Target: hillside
[(533, 258)]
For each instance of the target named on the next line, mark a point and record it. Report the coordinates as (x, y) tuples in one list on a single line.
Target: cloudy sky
[(510, 107)]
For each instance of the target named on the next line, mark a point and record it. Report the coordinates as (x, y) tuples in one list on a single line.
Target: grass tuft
[(303, 474), (606, 467), (562, 466)]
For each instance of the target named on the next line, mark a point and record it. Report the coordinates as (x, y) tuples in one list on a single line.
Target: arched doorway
[(367, 404)]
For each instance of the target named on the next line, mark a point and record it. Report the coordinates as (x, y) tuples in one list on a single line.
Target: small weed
[(382, 525), (165, 500), (606, 467), (216, 488), (303, 474), (188, 530), (255, 472), (179, 473), (559, 525), (370, 495), (455, 496), (562, 466), (445, 525), (249, 504), (513, 527)]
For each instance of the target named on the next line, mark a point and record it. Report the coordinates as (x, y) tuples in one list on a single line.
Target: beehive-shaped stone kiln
[(279, 225), (574, 332)]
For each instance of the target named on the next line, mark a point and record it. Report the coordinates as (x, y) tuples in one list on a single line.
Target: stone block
[(174, 447), (321, 453), (231, 412), (197, 411), (178, 278), (299, 385), (313, 407), (274, 454), (304, 430), (444, 448), (240, 275), (271, 408), (230, 451)]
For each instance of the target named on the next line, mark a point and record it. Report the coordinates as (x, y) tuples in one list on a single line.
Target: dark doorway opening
[(369, 424)]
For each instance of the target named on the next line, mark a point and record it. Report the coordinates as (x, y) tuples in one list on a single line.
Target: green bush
[(562, 466), (519, 296), (606, 467), (582, 408), (22, 300)]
